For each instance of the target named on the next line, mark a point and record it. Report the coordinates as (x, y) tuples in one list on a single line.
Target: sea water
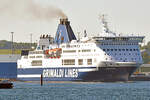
[(77, 91)]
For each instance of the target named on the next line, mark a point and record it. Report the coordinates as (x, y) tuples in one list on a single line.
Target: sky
[(124, 16)]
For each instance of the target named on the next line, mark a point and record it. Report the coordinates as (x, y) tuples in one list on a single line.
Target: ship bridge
[(119, 38)]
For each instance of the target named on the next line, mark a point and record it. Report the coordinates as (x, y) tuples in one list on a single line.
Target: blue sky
[(124, 16)]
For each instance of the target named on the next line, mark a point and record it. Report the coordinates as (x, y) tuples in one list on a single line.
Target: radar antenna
[(105, 25)]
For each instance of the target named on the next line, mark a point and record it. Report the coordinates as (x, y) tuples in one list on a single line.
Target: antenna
[(104, 23), (106, 29)]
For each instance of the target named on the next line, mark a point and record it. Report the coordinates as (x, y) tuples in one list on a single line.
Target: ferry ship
[(97, 58)]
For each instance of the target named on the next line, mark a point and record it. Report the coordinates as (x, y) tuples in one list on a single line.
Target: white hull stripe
[(87, 70), (31, 76)]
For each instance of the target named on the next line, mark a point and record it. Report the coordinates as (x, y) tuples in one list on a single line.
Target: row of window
[(26, 57), (123, 54), (120, 49), (85, 50), (72, 62), (125, 59), (36, 52), (119, 43), (74, 51), (72, 46), (36, 63), (118, 38), (69, 51), (68, 62), (89, 61)]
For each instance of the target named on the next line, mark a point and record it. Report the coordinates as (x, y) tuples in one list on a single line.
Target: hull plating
[(76, 74)]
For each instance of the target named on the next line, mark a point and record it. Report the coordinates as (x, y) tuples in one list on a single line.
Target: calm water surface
[(77, 91)]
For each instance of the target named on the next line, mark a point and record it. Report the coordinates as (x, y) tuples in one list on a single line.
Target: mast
[(104, 24), (106, 30)]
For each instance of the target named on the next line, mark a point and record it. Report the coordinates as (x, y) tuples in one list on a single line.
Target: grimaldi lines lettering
[(60, 73)]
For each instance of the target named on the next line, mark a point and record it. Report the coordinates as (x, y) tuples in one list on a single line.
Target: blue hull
[(8, 70), (53, 74), (76, 74)]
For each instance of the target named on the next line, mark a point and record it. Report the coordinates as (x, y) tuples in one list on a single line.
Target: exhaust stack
[(64, 32)]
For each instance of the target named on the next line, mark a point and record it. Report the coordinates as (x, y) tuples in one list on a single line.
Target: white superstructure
[(89, 53)]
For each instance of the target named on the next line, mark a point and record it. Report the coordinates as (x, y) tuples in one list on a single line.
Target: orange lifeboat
[(53, 53), (53, 50)]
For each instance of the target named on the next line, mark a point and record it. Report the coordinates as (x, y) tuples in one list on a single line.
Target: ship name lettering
[(60, 73), (53, 73), (71, 73)]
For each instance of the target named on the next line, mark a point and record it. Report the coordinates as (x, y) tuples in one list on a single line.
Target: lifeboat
[(53, 53), (53, 50)]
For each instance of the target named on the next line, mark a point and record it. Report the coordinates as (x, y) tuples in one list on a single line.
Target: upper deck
[(119, 39)]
